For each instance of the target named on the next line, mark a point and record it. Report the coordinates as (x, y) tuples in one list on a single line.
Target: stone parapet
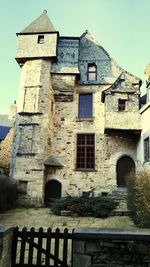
[(110, 247)]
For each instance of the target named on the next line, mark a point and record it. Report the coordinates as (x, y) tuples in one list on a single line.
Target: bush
[(85, 206), (8, 193), (139, 198)]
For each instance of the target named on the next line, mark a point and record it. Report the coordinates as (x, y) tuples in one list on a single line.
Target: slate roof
[(52, 162), (143, 100), (41, 24), (3, 132), (122, 84)]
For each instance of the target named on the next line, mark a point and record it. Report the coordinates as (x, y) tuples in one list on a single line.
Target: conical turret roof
[(41, 24)]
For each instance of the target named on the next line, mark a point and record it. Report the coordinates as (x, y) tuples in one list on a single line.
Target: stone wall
[(110, 247), (108, 149), (130, 118), (47, 122), (6, 235), (145, 114), (34, 124), (28, 47), (5, 150)]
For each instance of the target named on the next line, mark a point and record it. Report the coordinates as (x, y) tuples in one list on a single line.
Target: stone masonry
[(5, 150), (55, 74), (97, 247)]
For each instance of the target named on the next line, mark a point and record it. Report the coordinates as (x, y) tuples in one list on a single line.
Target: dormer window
[(92, 72), (121, 104), (40, 39)]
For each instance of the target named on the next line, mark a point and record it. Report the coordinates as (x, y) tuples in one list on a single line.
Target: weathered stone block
[(81, 260), (78, 247)]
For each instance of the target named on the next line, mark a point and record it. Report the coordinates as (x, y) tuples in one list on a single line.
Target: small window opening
[(52, 106), (92, 72), (121, 104), (22, 187), (41, 39)]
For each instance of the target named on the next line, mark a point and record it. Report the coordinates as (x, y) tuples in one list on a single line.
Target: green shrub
[(139, 198), (8, 193), (85, 206)]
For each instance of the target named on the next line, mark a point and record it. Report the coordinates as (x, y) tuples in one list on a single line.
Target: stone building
[(143, 145), (6, 138), (78, 120)]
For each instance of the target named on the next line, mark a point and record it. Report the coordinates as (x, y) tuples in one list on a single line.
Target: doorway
[(52, 190), (124, 166)]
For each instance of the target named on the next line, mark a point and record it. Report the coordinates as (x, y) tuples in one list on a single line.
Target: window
[(146, 149), (85, 106), (92, 72), (41, 39), (22, 187), (26, 139), (85, 151), (121, 104)]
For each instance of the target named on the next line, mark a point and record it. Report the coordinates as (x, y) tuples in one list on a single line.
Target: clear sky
[(120, 26)]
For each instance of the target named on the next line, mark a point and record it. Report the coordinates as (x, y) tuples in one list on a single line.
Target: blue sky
[(120, 26)]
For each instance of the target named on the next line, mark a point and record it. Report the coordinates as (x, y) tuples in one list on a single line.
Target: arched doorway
[(52, 190), (124, 166)]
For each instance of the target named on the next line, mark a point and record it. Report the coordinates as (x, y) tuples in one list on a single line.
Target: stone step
[(120, 213), (119, 194)]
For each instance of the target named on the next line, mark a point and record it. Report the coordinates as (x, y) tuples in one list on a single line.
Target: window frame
[(91, 71), (85, 163), (121, 105), (146, 149), (88, 110)]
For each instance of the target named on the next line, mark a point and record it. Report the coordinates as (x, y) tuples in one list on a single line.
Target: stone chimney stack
[(12, 111)]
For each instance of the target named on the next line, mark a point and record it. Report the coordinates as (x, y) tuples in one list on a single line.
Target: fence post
[(6, 236)]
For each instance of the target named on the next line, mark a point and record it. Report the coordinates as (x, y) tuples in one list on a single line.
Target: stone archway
[(124, 166), (52, 190)]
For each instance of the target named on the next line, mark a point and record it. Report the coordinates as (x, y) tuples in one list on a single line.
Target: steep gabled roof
[(41, 24), (121, 85), (88, 40)]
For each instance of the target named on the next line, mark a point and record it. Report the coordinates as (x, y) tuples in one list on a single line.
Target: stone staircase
[(120, 195)]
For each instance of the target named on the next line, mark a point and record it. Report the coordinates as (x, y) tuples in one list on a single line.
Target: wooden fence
[(38, 248)]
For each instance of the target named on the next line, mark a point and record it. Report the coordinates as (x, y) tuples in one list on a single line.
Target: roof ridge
[(40, 24)]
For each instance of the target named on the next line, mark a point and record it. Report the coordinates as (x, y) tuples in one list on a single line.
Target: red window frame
[(85, 152)]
